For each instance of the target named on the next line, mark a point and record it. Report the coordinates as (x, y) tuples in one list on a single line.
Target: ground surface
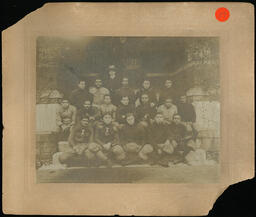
[(131, 174)]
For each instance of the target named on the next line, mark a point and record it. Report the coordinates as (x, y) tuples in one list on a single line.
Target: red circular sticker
[(222, 14)]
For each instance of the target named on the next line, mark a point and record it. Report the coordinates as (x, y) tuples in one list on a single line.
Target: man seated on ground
[(66, 115), (168, 109), (182, 137), (132, 138), (98, 92), (145, 112), (106, 135), (159, 138), (107, 107), (89, 111), (123, 109)]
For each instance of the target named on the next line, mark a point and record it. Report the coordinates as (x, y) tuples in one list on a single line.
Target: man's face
[(146, 84), (81, 85), (65, 104), (183, 99), (159, 118), (107, 119), (125, 100), (168, 103), (112, 73), (84, 122), (168, 83), (130, 120), (98, 83), (107, 99), (87, 104), (144, 98), (125, 82), (176, 119)]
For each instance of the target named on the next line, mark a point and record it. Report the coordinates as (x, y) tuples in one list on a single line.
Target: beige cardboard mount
[(21, 194)]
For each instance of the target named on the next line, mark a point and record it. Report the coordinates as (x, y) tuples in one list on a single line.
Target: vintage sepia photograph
[(127, 109)]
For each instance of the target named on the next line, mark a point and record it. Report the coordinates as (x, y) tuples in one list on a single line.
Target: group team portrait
[(127, 109)]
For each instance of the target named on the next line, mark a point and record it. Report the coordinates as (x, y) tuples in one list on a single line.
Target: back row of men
[(143, 103)]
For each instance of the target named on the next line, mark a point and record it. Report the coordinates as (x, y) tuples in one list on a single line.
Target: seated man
[(98, 92), (168, 110), (145, 112), (123, 109), (108, 107), (132, 138), (90, 111), (106, 136), (180, 135), (159, 138), (65, 116)]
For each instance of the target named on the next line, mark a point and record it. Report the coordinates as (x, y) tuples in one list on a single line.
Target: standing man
[(113, 82), (98, 92), (167, 92), (186, 110), (125, 90), (147, 89), (80, 95)]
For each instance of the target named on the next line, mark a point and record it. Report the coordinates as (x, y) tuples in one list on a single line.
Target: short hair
[(81, 80), (87, 100), (64, 99), (107, 95), (168, 98), (129, 115), (146, 79), (125, 78), (84, 117), (144, 94), (98, 79), (124, 97), (107, 114), (175, 115), (158, 113)]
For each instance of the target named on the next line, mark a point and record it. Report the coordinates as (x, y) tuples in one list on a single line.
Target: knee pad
[(94, 147), (168, 148), (147, 149)]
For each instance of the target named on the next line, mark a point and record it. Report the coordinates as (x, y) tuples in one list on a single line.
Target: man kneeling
[(160, 139), (106, 136), (132, 138), (82, 147)]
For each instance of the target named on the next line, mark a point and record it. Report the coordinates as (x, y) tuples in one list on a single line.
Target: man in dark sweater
[(125, 90), (147, 89), (145, 112), (89, 111), (123, 109), (181, 136), (159, 138), (106, 136), (186, 110), (167, 92), (80, 95), (132, 138)]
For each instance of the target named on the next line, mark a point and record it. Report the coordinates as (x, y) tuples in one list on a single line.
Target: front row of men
[(131, 141)]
